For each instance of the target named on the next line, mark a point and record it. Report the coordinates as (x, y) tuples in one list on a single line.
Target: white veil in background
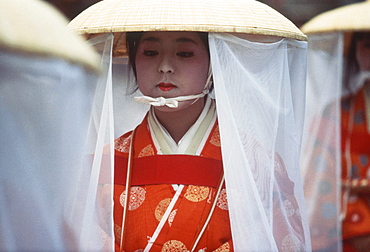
[(48, 79), (321, 152), (44, 104)]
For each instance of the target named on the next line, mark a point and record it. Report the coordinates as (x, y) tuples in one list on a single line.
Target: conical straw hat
[(349, 18), (34, 27), (237, 16)]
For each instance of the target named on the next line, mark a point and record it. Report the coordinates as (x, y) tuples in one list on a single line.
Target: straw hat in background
[(35, 27), (352, 17), (233, 16), (347, 19)]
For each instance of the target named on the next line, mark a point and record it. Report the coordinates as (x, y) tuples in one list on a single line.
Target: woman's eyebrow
[(182, 40), (151, 39)]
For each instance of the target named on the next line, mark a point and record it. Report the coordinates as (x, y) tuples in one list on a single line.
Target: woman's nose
[(166, 65)]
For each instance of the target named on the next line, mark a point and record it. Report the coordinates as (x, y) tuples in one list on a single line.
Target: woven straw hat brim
[(349, 18), (35, 27), (240, 16)]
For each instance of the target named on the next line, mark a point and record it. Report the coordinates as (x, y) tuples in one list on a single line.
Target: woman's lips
[(165, 87)]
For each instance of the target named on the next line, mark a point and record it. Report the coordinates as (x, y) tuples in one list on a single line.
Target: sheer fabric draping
[(47, 187), (259, 90), (321, 160)]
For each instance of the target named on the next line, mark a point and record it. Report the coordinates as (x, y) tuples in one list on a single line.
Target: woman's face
[(171, 64), (363, 53)]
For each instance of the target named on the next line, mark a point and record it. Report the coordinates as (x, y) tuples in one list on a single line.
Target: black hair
[(132, 42)]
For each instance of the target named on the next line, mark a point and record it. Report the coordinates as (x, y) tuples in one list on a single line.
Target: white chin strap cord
[(169, 102), (174, 102)]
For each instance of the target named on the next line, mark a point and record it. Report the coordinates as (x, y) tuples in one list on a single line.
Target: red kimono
[(355, 206), (171, 220)]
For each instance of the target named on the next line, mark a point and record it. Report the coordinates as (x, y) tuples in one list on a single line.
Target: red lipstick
[(165, 87)]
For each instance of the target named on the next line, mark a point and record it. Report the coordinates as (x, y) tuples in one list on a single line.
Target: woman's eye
[(185, 54), (150, 53)]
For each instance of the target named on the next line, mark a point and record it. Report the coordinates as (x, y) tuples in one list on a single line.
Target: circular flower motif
[(290, 243), (222, 200), (174, 246), (289, 208), (196, 193), (278, 167), (325, 187), (146, 151), (122, 144), (215, 139), (355, 217), (161, 208), (172, 217), (117, 232), (224, 248), (328, 210), (359, 117), (137, 197)]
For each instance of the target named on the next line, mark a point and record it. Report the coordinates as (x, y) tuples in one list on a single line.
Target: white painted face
[(171, 64)]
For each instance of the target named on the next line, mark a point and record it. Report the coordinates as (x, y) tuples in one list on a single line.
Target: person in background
[(355, 146), (337, 151), (48, 75)]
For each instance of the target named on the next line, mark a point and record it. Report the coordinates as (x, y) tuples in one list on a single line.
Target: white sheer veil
[(261, 116)]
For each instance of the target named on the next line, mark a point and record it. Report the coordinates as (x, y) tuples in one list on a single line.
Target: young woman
[(212, 163)]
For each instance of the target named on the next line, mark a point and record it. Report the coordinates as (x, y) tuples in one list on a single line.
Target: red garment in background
[(357, 218)]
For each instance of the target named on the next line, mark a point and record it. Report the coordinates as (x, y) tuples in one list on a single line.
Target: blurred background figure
[(336, 151), (300, 11), (48, 76)]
